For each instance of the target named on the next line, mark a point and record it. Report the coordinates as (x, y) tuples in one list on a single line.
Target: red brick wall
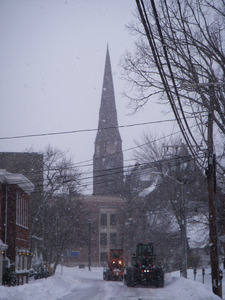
[(17, 236)]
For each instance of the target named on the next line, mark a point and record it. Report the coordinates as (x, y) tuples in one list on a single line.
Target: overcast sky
[(52, 56)]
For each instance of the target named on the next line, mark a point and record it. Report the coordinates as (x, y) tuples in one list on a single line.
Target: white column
[(16, 262), (25, 262)]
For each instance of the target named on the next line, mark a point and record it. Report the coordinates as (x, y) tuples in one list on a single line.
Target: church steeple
[(107, 113), (108, 156)]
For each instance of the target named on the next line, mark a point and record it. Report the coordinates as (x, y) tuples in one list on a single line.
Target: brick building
[(15, 192), (30, 164)]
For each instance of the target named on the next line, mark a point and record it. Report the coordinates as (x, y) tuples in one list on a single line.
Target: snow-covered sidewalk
[(77, 284)]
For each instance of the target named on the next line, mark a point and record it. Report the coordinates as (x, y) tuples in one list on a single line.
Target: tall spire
[(107, 113), (108, 156)]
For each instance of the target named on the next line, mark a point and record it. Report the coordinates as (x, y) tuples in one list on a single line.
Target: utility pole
[(211, 177), (89, 243), (184, 228)]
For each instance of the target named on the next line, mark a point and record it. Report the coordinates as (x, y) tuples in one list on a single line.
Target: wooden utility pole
[(89, 243), (211, 194), (184, 228)]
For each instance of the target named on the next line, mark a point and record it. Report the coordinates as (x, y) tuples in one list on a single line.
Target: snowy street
[(82, 284), (112, 149)]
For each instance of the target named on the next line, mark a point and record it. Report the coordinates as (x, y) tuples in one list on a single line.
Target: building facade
[(104, 219), (15, 192)]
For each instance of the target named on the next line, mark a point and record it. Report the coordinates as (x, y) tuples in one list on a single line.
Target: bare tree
[(63, 221), (160, 180), (65, 227), (60, 175), (185, 64), (157, 151)]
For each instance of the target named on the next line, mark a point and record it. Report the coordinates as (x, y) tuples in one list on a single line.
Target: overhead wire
[(159, 64), (83, 130), (80, 164), (143, 169), (173, 80)]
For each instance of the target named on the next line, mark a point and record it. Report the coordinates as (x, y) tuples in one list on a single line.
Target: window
[(113, 219), (21, 210), (113, 238), (103, 220), (103, 256), (103, 239), (145, 249)]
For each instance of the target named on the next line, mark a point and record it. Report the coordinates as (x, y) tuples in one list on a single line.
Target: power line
[(80, 164), (163, 74), (83, 130), (143, 169)]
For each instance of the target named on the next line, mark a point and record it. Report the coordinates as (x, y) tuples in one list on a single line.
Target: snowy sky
[(52, 56)]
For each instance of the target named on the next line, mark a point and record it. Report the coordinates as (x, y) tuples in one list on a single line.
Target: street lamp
[(129, 225), (181, 171), (184, 172)]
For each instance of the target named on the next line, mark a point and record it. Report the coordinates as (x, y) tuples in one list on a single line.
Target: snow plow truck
[(114, 270), (143, 270)]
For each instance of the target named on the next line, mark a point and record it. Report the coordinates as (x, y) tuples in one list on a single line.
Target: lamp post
[(183, 223), (129, 225), (181, 169), (183, 172)]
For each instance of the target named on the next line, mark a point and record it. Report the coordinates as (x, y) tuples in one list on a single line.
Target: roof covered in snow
[(13, 178)]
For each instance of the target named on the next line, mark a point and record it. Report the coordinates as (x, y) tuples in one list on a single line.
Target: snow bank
[(182, 288), (50, 288), (75, 283)]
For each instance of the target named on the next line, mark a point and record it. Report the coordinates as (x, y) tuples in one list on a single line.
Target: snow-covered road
[(81, 284), (96, 289), (87, 289), (176, 288)]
